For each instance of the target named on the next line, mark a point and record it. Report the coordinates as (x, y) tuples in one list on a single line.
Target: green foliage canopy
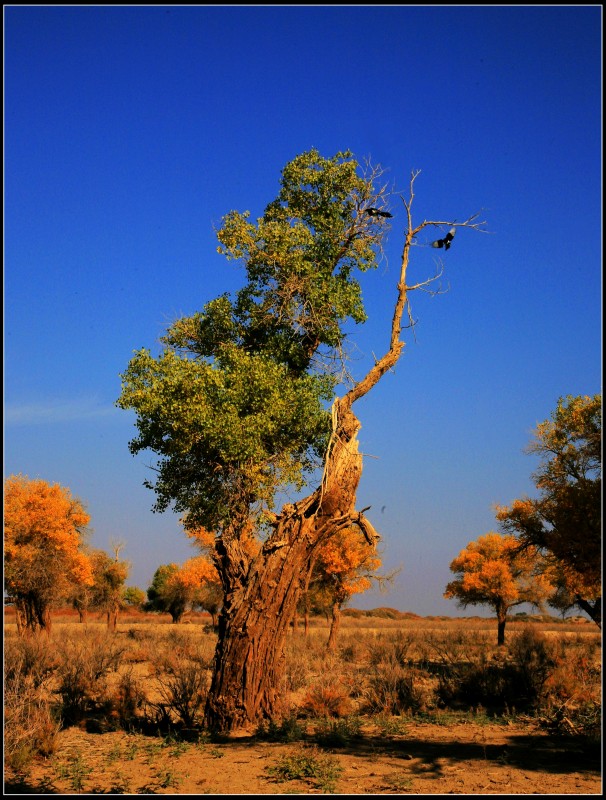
[(235, 404)]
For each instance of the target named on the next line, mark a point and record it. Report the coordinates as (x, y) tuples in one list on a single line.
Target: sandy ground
[(424, 758)]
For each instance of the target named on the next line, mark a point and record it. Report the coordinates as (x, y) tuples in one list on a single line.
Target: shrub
[(183, 685), (306, 764), (127, 702), (393, 689), (534, 659), (326, 700), (337, 732), (287, 730), (85, 662), (30, 728), (392, 648)]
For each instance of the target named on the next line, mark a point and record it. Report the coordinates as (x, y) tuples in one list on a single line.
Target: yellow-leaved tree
[(43, 561), (565, 521), (177, 588), (493, 571), (346, 565)]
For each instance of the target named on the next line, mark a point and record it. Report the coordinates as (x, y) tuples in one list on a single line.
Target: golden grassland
[(87, 710)]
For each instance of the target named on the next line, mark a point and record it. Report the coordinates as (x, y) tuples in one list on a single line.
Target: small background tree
[(107, 592), (565, 522), (43, 562), (346, 564), (177, 589), (492, 571), (134, 597)]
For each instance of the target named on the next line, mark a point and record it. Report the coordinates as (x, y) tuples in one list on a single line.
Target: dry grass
[(153, 676)]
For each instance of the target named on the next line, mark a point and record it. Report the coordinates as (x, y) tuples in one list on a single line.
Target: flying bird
[(445, 242), (375, 212)]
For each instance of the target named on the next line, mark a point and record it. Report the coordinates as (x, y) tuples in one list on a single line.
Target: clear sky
[(131, 131)]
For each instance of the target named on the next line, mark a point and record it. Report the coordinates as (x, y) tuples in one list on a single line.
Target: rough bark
[(33, 615), (261, 594)]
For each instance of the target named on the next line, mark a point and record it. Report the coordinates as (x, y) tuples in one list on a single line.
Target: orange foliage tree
[(43, 529), (493, 571), (345, 565), (210, 593), (176, 588), (565, 521)]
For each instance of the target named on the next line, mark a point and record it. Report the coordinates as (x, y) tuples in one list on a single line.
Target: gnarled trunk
[(261, 594)]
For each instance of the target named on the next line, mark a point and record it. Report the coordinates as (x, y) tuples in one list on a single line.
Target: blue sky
[(131, 131)]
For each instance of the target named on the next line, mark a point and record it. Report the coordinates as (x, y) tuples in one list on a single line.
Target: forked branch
[(390, 358)]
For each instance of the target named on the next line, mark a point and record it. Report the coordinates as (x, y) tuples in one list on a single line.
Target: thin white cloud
[(47, 412)]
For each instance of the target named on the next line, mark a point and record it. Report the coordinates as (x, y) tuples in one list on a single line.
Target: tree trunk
[(261, 594), (334, 626), (20, 618), (501, 620), (112, 618)]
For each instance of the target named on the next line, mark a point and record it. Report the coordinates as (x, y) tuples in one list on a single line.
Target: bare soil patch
[(424, 759)]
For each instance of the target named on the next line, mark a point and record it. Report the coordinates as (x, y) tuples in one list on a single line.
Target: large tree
[(236, 408), (565, 521), (492, 571), (43, 560)]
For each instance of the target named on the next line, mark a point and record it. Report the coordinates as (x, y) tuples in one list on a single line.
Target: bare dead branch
[(396, 345)]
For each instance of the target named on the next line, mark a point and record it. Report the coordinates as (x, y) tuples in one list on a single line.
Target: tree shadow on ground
[(532, 752)]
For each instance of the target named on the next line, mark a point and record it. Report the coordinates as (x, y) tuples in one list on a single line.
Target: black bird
[(374, 212), (445, 242)]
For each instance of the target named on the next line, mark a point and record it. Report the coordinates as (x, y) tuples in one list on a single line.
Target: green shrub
[(288, 729), (337, 732), (306, 764)]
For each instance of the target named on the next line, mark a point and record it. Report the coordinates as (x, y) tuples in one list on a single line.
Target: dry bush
[(86, 660), (30, 728), (127, 702), (326, 698), (571, 699), (182, 675), (352, 649), (393, 689), (534, 658), (393, 647)]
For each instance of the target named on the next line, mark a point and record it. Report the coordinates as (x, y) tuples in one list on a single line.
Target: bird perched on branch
[(445, 242), (375, 212)]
